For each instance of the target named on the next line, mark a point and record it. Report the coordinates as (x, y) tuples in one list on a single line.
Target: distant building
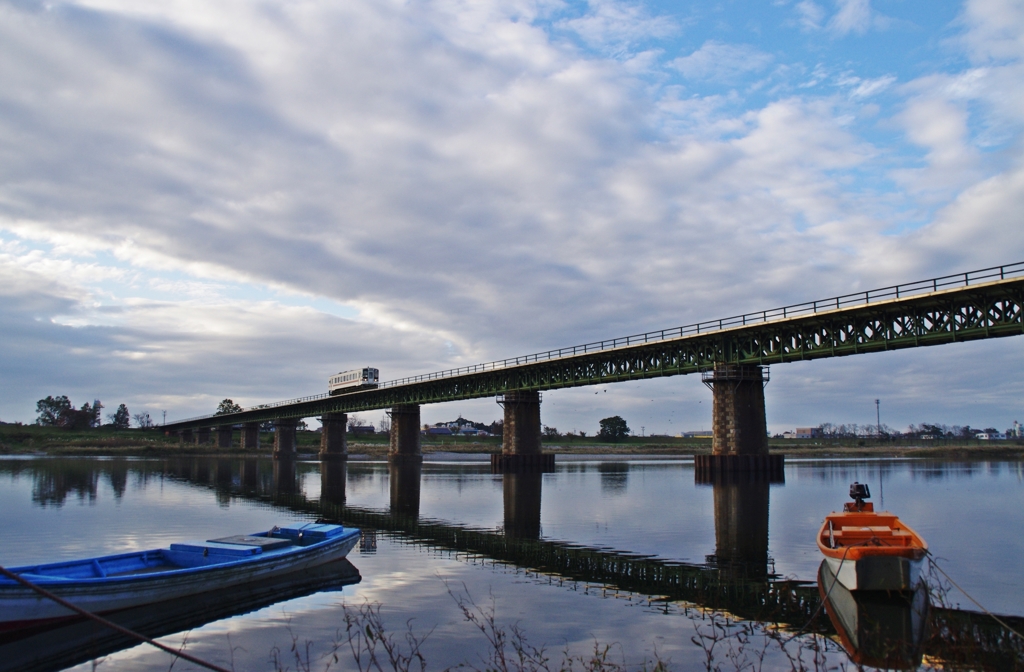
[(438, 431), (695, 435), (988, 436), (807, 433), (360, 429)]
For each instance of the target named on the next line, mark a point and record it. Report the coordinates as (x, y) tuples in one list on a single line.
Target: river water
[(633, 554)]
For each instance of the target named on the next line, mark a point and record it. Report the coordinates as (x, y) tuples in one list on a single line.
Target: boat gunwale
[(915, 551), (265, 557)]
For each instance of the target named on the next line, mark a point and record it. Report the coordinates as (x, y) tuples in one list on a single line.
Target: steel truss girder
[(991, 310)]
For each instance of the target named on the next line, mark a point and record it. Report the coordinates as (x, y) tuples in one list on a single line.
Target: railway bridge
[(731, 354)]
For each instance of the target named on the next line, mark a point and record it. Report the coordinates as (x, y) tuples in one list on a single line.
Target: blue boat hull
[(161, 574)]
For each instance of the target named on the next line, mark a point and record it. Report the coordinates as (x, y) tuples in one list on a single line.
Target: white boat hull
[(881, 572)]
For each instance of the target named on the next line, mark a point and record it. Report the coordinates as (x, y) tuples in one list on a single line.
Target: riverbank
[(34, 440)]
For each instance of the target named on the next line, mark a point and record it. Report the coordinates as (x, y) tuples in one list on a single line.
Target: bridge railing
[(785, 312)]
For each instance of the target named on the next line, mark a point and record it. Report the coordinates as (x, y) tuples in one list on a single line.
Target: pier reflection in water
[(405, 477), (333, 476), (741, 527), (521, 501), (654, 501)]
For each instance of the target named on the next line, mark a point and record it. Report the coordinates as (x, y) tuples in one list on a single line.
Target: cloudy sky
[(237, 198)]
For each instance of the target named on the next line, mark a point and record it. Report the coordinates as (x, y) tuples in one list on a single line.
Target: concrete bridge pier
[(202, 436), (185, 436), (405, 436), (521, 499), (333, 438), (225, 435), (404, 479), (284, 439), (520, 441), (251, 437), (740, 432)]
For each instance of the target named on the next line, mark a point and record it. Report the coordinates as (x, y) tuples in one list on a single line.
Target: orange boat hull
[(872, 551)]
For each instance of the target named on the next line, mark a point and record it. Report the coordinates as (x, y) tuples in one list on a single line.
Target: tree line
[(60, 412), (932, 430)]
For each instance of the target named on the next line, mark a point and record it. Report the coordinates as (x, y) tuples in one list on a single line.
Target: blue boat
[(115, 582)]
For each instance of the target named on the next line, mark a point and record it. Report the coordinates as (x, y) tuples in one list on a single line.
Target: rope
[(932, 562), (113, 626), (835, 580)]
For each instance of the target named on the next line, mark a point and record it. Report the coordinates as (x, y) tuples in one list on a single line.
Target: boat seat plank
[(214, 548), (266, 543)]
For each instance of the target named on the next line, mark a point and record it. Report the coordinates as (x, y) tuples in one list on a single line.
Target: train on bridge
[(356, 379)]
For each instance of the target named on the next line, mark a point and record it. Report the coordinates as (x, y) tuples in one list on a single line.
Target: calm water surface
[(542, 549)]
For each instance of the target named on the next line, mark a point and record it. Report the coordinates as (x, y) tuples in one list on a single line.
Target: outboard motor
[(858, 493)]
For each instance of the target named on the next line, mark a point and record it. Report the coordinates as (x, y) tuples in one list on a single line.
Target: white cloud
[(995, 30), (860, 88), (810, 14), (617, 26), (716, 60), (204, 176), (853, 16)]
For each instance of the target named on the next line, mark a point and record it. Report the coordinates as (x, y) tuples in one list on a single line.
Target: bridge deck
[(907, 316)]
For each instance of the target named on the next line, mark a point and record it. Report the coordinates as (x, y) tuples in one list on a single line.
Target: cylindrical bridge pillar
[(521, 427), (251, 437), (405, 434), (520, 439), (333, 440), (738, 420), (284, 439), (739, 429)]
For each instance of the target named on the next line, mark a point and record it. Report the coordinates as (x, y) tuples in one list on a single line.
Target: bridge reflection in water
[(737, 578)]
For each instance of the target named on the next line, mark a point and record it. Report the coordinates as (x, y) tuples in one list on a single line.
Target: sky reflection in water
[(55, 509)]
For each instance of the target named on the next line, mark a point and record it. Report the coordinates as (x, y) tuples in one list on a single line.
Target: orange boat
[(871, 551)]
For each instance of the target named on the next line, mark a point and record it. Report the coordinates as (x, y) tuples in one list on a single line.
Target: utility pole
[(165, 417), (878, 419)]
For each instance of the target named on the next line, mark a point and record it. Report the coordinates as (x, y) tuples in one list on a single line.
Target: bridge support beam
[(225, 436), (251, 437), (740, 432), (284, 439), (202, 436), (405, 434), (520, 440), (333, 439)]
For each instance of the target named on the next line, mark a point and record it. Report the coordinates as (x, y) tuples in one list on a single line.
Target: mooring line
[(934, 563), (110, 624), (835, 580)]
